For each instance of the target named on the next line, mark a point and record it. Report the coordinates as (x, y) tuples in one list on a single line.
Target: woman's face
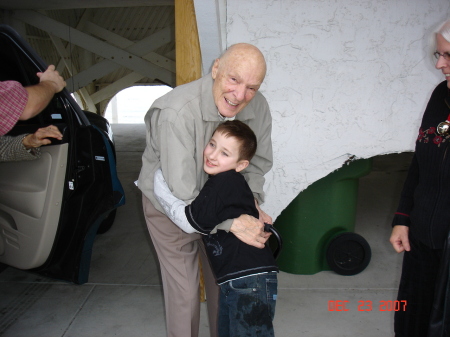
[(443, 62)]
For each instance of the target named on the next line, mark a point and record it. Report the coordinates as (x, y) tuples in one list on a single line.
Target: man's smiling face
[(237, 77)]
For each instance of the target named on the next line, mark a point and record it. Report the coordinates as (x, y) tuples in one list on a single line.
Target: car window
[(14, 64)]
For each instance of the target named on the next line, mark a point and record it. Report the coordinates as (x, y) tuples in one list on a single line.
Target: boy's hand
[(250, 231)]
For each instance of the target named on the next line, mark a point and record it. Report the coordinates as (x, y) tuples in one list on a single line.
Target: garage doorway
[(130, 105)]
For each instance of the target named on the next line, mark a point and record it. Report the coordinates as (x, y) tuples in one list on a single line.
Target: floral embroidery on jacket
[(431, 135)]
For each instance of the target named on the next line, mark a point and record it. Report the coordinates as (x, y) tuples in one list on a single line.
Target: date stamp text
[(368, 305)]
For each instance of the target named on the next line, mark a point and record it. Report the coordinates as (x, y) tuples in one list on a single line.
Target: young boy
[(247, 275)]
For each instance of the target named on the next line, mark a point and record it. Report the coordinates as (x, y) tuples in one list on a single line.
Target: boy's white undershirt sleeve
[(172, 206)]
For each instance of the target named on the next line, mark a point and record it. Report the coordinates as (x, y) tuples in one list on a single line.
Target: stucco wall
[(345, 78)]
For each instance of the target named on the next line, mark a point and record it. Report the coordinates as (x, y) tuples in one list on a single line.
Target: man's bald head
[(237, 75)]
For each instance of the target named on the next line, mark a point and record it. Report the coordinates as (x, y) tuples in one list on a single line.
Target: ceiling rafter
[(65, 55), (96, 49), (80, 25), (112, 54), (66, 60), (155, 41), (141, 48)]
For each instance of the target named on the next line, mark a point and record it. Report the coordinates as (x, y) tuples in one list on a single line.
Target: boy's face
[(221, 154)]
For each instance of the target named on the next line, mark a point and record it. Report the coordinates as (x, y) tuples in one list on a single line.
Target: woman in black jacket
[(421, 223)]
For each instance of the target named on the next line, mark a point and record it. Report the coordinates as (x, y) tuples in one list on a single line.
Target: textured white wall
[(345, 77)]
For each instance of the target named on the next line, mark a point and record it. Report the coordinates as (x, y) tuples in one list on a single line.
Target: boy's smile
[(222, 154)]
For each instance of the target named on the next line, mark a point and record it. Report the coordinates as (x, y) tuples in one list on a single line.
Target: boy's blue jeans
[(247, 306)]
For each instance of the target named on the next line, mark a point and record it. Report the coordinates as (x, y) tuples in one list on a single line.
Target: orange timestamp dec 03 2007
[(340, 305)]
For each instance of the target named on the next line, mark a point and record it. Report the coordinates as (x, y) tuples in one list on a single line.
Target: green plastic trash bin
[(317, 226)]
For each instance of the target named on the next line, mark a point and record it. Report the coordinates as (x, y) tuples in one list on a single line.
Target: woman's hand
[(400, 239)]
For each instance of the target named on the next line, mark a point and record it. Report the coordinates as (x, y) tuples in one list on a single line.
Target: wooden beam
[(188, 58), (188, 63)]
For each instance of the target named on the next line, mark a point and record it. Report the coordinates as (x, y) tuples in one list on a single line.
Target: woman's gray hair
[(444, 30)]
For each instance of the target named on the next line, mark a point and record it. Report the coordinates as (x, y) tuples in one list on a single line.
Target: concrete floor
[(124, 296)]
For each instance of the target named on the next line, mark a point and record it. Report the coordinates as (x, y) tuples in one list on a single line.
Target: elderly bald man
[(179, 125)]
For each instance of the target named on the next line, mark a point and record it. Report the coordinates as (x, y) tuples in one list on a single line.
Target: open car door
[(51, 207)]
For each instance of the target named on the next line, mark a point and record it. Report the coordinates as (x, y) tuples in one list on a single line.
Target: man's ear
[(242, 164), (215, 68)]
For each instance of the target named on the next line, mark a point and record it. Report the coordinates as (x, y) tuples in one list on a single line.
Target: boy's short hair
[(244, 135)]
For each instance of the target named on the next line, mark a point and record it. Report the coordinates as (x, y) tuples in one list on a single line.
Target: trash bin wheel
[(348, 254)]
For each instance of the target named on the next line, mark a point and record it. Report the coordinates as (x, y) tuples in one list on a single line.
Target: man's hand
[(39, 95), (250, 231), (39, 138), (400, 239), (263, 216), (52, 76)]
